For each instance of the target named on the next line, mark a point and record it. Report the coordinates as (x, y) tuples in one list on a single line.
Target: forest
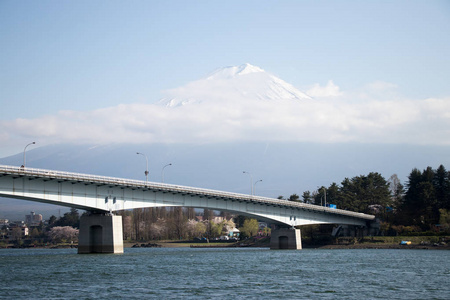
[(422, 204)]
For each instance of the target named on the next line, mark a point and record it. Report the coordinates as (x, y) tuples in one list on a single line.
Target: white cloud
[(418, 122), (379, 90), (330, 90), (373, 118), (381, 86)]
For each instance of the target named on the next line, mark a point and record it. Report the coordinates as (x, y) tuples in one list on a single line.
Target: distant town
[(13, 230), (138, 225)]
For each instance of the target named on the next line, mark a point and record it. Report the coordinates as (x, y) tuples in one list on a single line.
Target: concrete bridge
[(101, 231)]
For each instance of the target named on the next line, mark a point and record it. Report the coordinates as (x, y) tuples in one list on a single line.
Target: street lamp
[(162, 172), (146, 169), (254, 186), (23, 166), (251, 180)]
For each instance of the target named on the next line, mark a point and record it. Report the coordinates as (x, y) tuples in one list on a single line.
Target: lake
[(237, 273)]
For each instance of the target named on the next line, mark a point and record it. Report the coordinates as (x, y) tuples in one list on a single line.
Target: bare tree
[(396, 190), (127, 227), (179, 222)]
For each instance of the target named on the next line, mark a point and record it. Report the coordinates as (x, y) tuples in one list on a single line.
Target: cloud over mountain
[(245, 103), (330, 90)]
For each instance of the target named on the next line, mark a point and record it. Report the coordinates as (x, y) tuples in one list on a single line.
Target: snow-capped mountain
[(234, 84), (230, 72)]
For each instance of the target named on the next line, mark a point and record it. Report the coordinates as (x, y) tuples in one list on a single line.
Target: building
[(17, 229), (33, 219)]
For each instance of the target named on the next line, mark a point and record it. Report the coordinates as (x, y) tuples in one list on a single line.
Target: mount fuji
[(234, 84)]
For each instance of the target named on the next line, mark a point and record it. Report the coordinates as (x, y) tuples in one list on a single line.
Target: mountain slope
[(234, 84)]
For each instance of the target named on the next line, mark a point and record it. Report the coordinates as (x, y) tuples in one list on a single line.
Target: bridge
[(101, 230)]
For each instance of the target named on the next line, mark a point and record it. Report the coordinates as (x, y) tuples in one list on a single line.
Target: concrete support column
[(286, 238), (100, 234)]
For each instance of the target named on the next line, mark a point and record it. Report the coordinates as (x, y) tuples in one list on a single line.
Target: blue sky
[(87, 55)]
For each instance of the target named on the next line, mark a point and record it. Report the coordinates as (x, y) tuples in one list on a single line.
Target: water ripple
[(225, 274)]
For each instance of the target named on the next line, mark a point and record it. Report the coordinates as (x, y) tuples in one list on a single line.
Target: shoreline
[(310, 247), (169, 244), (258, 244), (383, 246)]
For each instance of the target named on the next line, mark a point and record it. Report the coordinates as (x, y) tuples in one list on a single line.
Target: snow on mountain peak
[(238, 83), (233, 71)]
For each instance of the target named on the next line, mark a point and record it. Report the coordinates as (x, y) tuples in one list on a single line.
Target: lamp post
[(251, 180), (146, 168), (24, 152), (254, 186), (162, 172)]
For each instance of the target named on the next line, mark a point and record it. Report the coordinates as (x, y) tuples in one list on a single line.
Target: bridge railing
[(173, 188)]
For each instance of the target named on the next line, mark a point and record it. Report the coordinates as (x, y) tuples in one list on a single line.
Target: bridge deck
[(169, 188)]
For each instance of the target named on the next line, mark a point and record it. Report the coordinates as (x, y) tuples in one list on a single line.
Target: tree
[(362, 192), (179, 222), (250, 227), (428, 211), (137, 223), (200, 229), (407, 214), (127, 226), (427, 192), (441, 184), (227, 225), (60, 234), (71, 218), (307, 198), (35, 233), (347, 196), (161, 213), (332, 193), (444, 219), (239, 221), (191, 213), (16, 235), (52, 220), (294, 197), (208, 214), (377, 189), (216, 229), (397, 191), (195, 229), (158, 230)]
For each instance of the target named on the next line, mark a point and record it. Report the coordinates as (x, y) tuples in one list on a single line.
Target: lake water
[(245, 273)]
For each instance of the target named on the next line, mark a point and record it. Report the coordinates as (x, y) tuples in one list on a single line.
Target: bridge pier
[(286, 238), (100, 233)]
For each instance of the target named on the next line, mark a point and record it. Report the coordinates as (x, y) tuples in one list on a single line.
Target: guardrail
[(173, 189)]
